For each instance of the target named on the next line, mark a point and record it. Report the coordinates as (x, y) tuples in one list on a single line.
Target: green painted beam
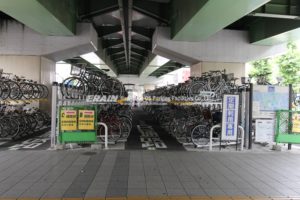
[(55, 17), (268, 31), (93, 8), (196, 20)]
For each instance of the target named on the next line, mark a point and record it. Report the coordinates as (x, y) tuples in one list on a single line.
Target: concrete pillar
[(237, 68), (196, 69), (47, 75), (148, 87)]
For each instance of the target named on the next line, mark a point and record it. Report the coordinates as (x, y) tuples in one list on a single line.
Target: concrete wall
[(47, 78), (35, 68), (149, 87), (22, 66), (239, 69), (135, 79), (27, 66)]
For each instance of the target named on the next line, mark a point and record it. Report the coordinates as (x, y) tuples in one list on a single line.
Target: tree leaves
[(261, 68), (289, 65)]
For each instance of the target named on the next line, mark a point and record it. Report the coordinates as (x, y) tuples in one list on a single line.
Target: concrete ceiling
[(125, 28)]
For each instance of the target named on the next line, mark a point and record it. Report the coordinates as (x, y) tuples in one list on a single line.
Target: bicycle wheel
[(125, 130), (196, 89), (5, 127), (111, 86), (5, 90), (41, 91), (39, 120), (36, 91), (45, 91), (172, 127), (11, 126), (125, 127), (15, 90), (200, 135), (74, 87), (27, 90)]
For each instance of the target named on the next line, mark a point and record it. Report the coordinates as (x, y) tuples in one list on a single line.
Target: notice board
[(267, 99), (77, 124)]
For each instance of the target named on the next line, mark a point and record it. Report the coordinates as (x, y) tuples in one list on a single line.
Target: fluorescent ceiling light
[(92, 58), (274, 15), (97, 62), (61, 62), (159, 61)]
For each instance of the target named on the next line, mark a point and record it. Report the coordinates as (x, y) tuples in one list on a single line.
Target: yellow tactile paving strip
[(166, 198)]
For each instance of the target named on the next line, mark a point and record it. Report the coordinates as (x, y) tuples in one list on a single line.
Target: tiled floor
[(78, 174)]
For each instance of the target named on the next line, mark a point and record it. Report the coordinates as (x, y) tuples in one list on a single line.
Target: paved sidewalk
[(78, 174)]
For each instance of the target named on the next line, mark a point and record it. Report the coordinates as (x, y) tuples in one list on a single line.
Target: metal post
[(106, 134), (250, 115), (211, 135), (53, 115), (290, 114), (247, 124), (242, 137)]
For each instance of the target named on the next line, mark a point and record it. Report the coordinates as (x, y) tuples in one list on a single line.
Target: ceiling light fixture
[(92, 58), (274, 16)]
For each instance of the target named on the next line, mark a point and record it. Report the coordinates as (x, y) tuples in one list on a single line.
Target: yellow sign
[(86, 120), (68, 120), (296, 123)]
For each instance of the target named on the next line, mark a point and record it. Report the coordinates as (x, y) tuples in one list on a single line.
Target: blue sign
[(230, 117)]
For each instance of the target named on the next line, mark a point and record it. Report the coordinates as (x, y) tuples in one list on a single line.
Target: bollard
[(219, 126), (242, 137), (211, 135), (106, 134)]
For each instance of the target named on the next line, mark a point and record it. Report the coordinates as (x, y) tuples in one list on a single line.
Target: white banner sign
[(230, 117), (264, 130)]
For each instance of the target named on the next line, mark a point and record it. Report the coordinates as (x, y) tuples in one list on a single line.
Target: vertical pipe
[(53, 114), (290, 114), (242, 137), (250, 115)]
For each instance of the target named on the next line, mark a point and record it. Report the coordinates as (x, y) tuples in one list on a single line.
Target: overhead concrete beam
[(269, 31), (19, 40), (55, 17), (194, 20), (101, 52), (224, 46)]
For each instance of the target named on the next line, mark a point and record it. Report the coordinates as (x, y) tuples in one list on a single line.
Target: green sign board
[(77, 124)]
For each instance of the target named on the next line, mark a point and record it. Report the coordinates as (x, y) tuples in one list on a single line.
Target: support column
[(148, 87), (47, 75), (238, 69), (196, 70)]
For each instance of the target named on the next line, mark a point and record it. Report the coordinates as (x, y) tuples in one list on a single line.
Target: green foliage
[(289, 66), (261, 67)]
